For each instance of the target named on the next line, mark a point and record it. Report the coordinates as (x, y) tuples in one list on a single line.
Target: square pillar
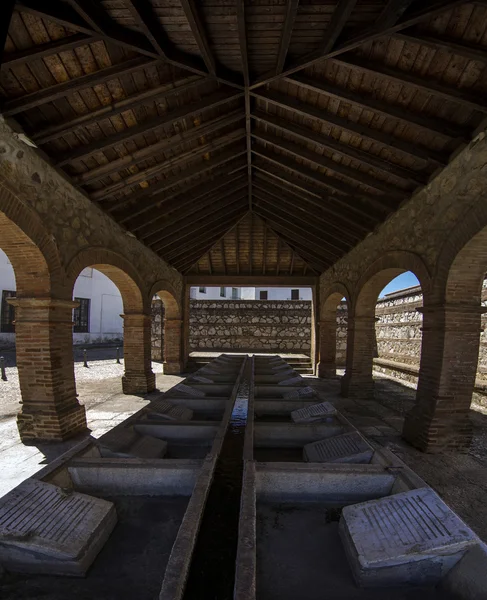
[(440, 420), (327, 348), (138, 377), (358, 381), (173, 344), (44, 342)]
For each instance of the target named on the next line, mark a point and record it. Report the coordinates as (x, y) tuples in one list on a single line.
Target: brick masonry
[(250, 326)]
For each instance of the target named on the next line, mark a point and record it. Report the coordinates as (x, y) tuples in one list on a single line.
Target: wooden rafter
[(170, 182), (375, 135), (352, 199), (365, 158), (6, 10), (340, 16), (438, 126), (356, 176), (199, 34), (429, 10), (52, 132), (48, 49), (287, 30), (429, 86), (431, 40), (392, 13)]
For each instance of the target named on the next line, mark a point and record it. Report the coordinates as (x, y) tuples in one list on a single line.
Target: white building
[(96, 320), (250, 293)]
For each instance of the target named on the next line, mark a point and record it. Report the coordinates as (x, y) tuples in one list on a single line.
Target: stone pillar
[(361, 348), (44, 342), (138, 377), (327, 351), (440, 418), (173, 338)]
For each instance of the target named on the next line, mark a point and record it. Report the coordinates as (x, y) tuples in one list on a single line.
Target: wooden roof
[(252, 137)]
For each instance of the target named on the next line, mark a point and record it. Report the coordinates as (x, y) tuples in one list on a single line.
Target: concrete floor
[(100, 390)]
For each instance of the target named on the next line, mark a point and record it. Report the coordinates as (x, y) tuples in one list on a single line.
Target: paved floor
[(100, 390)]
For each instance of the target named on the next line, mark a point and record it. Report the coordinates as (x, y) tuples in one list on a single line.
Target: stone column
[(138, 377), (44, 342), (327, 345), (361, 348), (449, 355), (173, 338)]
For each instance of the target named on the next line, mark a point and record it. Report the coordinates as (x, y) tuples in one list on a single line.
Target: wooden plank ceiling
[(257, 137)]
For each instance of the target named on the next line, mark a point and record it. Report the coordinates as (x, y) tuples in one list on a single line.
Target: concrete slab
[(409, 538), (148, 447), (315, 412), (167, 410), (201, 379), (304, 392), (44, 529), (187, 390), (291, 380), (346, 448), (115, 442)]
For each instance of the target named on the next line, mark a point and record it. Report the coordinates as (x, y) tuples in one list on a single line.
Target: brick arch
[(462, 263), (384, 270), (332, 298), (30, 249), (168, 295), (115, 267)]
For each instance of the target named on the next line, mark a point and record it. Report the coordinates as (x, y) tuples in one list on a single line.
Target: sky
[(404, 280)]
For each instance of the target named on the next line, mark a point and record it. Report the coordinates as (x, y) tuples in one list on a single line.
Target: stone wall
[(250, 326), (157, 330)]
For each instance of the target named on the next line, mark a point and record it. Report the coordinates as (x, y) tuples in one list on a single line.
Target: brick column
[(138, 377), (327, 347), (44, 342), (449, 355), (361, 348), (173, 341)]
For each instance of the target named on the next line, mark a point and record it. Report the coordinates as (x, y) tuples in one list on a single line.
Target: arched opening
[(35, 312), (372, 335), (333, 331), (167, 329), (123, 290)]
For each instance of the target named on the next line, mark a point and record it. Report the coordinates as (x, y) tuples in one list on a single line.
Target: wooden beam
[(438, 126), (223, 255), (168, 237), (198, 31), (175, 244), (237, 250), (428, 10), (165, 167), (312, 195), (301, 227), (264, 250), (432, 40), (380, 137), (286, 33), (40, 51), (128, 161), (144, 15), (278, 254), (52, 132), (189, 263), (430, 86), (365, 158), (242, 38), (184, 205), (54, 92), (183, 112), (248, 280), (251, 240), (392, 13), (169, 183), (281, 240), (339, 19), (196, 211), (307, 221), (327, 163), (347, 200), (6, 11), (147, 205)]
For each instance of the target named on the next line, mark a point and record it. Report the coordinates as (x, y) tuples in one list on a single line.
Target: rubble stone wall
[(250, 326), (157, 330)]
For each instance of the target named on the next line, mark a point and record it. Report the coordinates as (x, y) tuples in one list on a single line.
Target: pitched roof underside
[(257, 137)]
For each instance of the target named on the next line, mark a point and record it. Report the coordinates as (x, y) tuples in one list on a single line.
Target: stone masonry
[(250, 326)]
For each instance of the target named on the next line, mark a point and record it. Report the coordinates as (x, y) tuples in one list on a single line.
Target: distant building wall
[(250, 326)]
